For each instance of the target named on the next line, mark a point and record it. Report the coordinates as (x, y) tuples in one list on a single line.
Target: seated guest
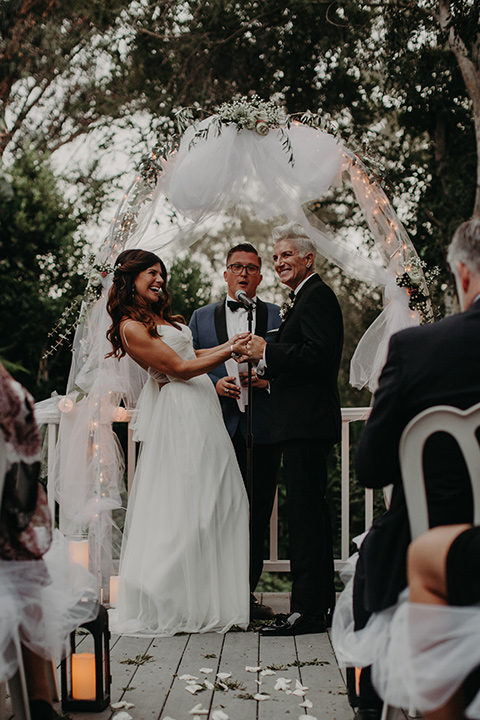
[(37, 596), (426, 366), (443, 569)]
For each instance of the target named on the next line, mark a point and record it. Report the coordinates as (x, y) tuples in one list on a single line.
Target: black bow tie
[(291, 295), (234, 305)]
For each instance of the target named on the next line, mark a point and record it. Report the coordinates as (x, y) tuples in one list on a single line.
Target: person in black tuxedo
[(302, 366), (214, 324), (435, 364)]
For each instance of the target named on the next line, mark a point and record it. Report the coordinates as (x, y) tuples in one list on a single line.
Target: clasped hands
[(247, 348)]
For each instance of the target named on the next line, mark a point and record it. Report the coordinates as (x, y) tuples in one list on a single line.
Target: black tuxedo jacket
[(303, 364), (430, 365)]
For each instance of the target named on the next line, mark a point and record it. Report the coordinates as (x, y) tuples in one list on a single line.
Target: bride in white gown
[(184, 559)]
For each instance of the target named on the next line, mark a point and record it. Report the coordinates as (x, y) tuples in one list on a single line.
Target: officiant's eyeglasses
[(237, 268)]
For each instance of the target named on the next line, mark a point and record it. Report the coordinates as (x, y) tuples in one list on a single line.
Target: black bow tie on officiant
[(291, 295), (234, 305)]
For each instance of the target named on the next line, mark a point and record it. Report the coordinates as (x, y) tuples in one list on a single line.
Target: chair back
[(462, 425)]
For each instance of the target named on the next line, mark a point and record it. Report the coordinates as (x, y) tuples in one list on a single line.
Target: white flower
[(262, 128), (282, 683), (416, 275), (95, 278)]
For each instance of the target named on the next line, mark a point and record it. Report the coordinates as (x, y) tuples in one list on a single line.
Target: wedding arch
[(249, 155)]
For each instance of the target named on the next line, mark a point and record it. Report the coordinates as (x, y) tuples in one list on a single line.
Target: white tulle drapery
[(210, 175)]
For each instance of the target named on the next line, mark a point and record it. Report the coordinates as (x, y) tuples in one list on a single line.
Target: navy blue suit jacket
[(209, 328)]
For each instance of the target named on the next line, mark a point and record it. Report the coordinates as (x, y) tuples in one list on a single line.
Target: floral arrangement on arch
[(247, 113)]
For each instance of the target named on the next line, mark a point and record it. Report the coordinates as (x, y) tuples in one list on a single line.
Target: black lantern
[(86, 676)]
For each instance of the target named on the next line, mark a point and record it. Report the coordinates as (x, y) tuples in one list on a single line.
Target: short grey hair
[(465, 246), (295, 232)]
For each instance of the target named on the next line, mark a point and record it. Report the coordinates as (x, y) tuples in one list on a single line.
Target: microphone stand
[(249, 438)]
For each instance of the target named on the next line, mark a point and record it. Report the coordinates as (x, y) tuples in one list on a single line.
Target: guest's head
[(243, 270), (139, 292), (294, 254), (464, 259)]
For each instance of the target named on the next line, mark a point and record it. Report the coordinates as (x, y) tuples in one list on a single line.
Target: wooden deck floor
[(152, 675)]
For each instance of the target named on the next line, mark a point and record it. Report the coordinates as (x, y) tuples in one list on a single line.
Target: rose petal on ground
[(268, 672), (306, 717), (187, 677), (282, 683), (299, 692), (306, 704), (118, 705), (260, 697), (224, 676), (249, 668), (222, 685), (122, 715), (193, 688), (299, 686), (219, 715), (209, 685), (206, 671), (198, 710)]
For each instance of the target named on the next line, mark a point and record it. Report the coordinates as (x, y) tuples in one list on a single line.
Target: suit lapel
[(221, 322), (261, 319), (310, 282)]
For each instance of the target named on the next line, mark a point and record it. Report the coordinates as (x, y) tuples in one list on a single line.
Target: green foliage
[(189, 287), (40, 252)]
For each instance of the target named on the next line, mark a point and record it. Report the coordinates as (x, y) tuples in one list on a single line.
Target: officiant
[(214, 324)]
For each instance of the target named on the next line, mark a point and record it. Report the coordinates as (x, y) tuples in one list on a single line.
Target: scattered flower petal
[(222, 685), (249, 668), (224, 676), (187, 677), (219, 715), (122, 715), (193, 689), (299, 686), (288, 692), (121, 704), (306, 704), (259, 682), (268, 672), (209, 685), (198, 710), (260, 696), (206, 671), (306, 717), (298, 692), (282, 683)]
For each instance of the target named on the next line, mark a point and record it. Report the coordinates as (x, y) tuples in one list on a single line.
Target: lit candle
[(83, 676), (78, 552), (114, 581)]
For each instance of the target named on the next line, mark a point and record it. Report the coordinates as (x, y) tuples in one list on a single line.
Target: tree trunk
[(471, 76)]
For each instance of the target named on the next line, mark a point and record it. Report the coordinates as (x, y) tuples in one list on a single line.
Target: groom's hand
[(257, 382), (255, 347), (227, 387)]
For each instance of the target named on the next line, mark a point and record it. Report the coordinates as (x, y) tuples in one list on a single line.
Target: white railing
[(273, 563)]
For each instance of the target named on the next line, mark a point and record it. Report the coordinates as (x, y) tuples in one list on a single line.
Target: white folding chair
[(462, 425)]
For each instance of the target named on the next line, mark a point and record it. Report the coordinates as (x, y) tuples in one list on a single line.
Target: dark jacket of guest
[(431, 365)]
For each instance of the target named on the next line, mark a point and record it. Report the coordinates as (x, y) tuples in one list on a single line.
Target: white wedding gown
[(184, 560)]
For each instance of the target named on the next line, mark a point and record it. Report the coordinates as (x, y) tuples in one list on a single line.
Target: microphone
[(242, 297)]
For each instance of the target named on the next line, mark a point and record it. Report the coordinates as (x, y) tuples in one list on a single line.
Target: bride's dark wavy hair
[(123, 303)]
